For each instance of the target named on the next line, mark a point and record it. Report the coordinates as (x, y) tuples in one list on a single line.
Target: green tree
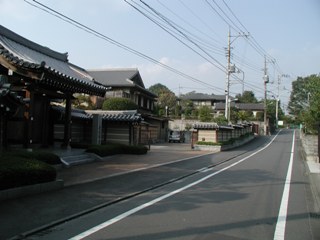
[(205, 114), (220, 120), (305, 101), (311, 116), (119, 104), (247, 97), (234, 115), (158, 89), (166, 98), (187, 107), (83, 102), (245, 115), (299, 96)]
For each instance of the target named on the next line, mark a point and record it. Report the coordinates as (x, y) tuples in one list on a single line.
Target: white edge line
[(279, 233), (152, 202)]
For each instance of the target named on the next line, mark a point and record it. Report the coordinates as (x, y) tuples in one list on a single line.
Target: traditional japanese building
[(32, 79)]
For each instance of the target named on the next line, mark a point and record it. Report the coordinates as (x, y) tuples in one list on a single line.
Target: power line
[(181, 32), (114, 42)]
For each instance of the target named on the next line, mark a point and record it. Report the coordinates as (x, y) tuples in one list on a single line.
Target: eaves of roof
[(50, 67), (211, 126), (120, 78), (75, 113), (109, 117), (136, 118)]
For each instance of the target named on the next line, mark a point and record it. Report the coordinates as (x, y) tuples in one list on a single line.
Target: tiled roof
[(117, 77), (122, 117), (59, 74), (203, 125), (202, 96), (75, 113), (242, 106), (109, 116), (120, 78)]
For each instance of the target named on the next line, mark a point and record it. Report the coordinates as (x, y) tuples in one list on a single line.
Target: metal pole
[(226, 114), (265, 96), (277, 103)]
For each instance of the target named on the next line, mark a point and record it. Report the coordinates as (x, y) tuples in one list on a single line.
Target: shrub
[(208, 143), (79, 145), (114, 148), (18, 171), (47, 157), (119, 104)]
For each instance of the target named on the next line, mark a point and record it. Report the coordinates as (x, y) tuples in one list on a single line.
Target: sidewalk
[(86, 187), (122, 163)]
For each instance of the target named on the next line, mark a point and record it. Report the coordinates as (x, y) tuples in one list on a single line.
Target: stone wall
[(310, 146)]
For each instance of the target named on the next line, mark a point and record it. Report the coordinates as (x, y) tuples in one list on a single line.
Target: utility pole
[(278, 97), (226, 114), (277, 102), (265, 80), (230, 69)]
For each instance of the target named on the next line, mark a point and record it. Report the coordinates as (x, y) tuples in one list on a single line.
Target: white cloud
[(204, 68)]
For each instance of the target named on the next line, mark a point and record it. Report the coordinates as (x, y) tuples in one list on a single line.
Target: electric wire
[(166, 20), (91, 31)]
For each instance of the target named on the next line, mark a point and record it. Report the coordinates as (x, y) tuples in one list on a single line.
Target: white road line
[(279, 233), (148, 204)]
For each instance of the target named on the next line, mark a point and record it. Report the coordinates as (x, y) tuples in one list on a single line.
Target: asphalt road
[(253, 196)]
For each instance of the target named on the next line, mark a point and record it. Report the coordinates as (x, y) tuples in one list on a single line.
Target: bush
[(18, 171), (47, 157), (208, 143), (79, 145), (114, 148), (119, 104)]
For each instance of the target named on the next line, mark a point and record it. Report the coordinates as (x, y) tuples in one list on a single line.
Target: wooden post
[(67, 123), (3, 129)]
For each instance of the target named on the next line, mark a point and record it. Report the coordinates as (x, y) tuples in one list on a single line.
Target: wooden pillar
[(28, 116), (3, 131), (130, 134), (45, 121), (67, 123)]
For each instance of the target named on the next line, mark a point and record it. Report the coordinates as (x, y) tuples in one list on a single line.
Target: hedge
[(47, 157), (114, 148), (18, 171)]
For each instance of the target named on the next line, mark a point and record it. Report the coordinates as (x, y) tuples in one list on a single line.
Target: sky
[(286, 32)]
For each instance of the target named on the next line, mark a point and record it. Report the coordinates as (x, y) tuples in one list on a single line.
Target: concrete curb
[(30, 190)]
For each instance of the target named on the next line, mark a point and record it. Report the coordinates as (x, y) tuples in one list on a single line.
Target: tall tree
[(299, 96), (158, 89), (305, 101), (247, 97), (205, 114), (166, 99)]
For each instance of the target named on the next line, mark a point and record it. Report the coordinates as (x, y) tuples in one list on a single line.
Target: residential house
[(127, 83), (219, 108), (202, 99)]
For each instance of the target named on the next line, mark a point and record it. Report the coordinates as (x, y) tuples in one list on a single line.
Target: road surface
[(263, 193)]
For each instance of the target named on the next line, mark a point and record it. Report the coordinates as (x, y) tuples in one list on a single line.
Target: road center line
[(152, 202), (279, 233)]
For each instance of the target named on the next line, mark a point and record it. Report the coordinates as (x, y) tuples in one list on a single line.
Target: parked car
[(176, 136)]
